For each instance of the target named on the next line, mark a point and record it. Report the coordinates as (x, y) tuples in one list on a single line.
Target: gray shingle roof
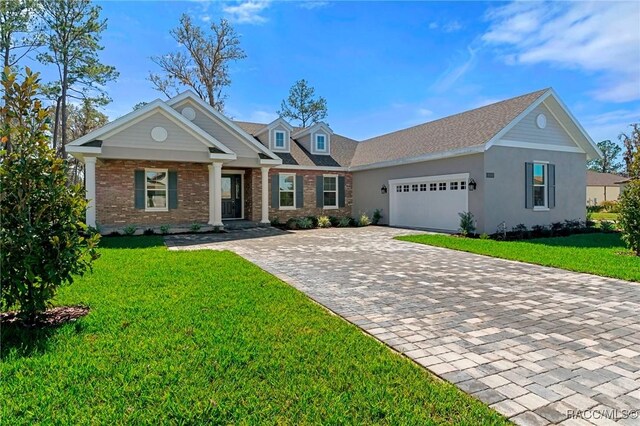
[(464, 130), (604, 179)]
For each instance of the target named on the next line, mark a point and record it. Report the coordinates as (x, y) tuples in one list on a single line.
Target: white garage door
[(429, 202)]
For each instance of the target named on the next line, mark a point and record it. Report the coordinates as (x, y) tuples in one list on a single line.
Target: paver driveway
[(532, 342)]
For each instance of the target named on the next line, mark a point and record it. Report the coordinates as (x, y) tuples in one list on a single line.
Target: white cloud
[(447, 27), (610, 124), (310, 4), (247, 12), (455, 72), (433, 25), (424, 112), (595, 37)]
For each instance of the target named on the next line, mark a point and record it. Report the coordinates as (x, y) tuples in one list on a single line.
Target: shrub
[(364, 220), (44, 239), (114, 234), (607, 226), (292, 223), (306, 223), (335, 221), (594, 209), (467, 225), (164, 229), (324, 222), (629, 219), (557, 228), (129, 230), (345, 222), (149, 231), (195, 227), (572, 225), (377, 215), (610, 206), (538, 231), (275, 221), (484, 236), (313, 220)]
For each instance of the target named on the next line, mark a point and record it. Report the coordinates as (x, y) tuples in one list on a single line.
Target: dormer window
[(321, 143), (279, 142)]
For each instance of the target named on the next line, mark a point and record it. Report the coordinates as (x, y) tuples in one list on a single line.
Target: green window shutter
[(320, 191), (551, 179), (299, 191), (275, 191), (139, 189), (173, 189), (341, 191), (528, 185)]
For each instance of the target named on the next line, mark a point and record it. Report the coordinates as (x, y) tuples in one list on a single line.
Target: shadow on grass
[(136, 242), (25, 342), (597, 240)]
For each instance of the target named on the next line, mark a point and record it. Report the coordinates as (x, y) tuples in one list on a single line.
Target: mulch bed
[(52, 317)]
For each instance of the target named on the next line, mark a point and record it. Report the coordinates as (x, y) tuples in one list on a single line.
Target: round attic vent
[(159, 134), (541, 121), (189, 113)]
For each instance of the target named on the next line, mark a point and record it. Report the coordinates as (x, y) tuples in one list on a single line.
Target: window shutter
[(173, 189), (299, 191), (275, 191), (551, 178), (341, 191), (528, 185), (139, 189), (319, 191)]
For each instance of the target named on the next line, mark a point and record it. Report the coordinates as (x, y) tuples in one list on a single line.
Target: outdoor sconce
[(472, 185), (383, 190)]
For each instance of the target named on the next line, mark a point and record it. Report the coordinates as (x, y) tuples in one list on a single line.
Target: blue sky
[(383, 66)]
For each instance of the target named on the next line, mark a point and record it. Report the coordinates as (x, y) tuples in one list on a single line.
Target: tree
[(43, 240), (631, 154), (18, 36), (609, 162), (72, 36), (629, 215), (302, 105), (204, 67)]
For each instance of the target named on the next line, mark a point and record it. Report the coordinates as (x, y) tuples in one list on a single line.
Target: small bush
[(377, 215), (114, 234), (129, 230), (305, 223), (607, 226), (594, 209), (610, 206), (540, 231), (292, 224), (557, 228), (484, 236), (164, 229), (275, 221), (334, 220), (467, 225), (572, 225), (629, 219), (149, 231), (324, 222), (364, 220), (520, 231), (345, 222), (195, 227), (313, 220)]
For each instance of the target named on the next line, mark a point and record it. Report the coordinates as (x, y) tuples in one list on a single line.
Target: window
[(453, 186), (463, 184), (156, 188), (433, 187), (423, 187), (406, 188), (414, 187), (442, 186), (279, 139), (321, 143), (399, 188), (330, 192), (539, 185), (287, 191)]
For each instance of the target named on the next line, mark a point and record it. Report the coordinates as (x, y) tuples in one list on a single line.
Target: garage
[(431, 202)]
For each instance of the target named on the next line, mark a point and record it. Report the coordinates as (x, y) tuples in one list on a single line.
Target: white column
[(90, 186), (265, 195), (211, 195), (217, 195)]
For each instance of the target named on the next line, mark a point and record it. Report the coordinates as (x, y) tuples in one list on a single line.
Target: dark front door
[(231, 196)]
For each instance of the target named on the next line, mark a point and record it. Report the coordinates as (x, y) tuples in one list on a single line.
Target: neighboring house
[(603, 187), (179, 161)]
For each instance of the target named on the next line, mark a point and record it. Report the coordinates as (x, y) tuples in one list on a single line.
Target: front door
[(231, 196)]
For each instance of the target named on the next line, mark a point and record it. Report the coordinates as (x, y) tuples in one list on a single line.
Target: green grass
[(599, 254), (604, 216), (199, 337)]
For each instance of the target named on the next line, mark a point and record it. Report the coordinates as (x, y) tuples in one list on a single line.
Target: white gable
[(527, 129)]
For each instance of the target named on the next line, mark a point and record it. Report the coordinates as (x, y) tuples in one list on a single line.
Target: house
[(603, 187), (179, 162)]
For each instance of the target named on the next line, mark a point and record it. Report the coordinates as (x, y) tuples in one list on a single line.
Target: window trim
[(336, 206), (275, 139), (545, 185), (166, 204), (315, 143), (280, 206)]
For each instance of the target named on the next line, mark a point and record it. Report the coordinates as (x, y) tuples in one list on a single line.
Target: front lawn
[(199, 337), (604, 216), (600, 254)]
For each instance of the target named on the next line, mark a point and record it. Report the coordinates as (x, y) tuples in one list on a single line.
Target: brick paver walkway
[(532, 342)]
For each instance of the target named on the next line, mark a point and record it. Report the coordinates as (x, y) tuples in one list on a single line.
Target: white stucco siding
[(528, 131), (217, 130)]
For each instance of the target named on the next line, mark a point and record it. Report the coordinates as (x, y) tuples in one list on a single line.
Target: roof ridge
[(541, 91)]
